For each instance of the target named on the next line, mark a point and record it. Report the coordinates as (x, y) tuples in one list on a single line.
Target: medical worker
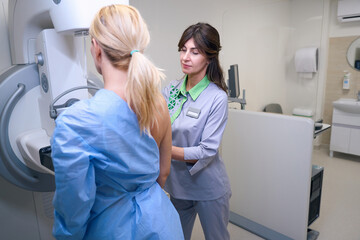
[(107, 150), (198, 106)]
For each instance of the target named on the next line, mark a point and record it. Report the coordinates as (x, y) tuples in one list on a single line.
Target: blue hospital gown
[(105, 173)]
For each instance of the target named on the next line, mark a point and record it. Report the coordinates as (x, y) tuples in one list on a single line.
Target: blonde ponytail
[(120, 29), (143, 90)]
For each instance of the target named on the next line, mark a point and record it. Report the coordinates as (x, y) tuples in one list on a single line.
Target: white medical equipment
[(47, 39)]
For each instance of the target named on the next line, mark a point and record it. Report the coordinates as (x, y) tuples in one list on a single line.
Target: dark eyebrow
[(193, 48)]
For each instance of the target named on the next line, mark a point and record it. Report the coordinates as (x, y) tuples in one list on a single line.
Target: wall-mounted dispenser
[(346, 80)]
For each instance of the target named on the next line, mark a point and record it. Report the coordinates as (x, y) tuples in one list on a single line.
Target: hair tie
[(133, 51)]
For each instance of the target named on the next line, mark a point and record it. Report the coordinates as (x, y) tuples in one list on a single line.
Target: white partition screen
[(268, 159)]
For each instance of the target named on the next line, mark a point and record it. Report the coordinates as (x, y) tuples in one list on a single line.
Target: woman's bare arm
[(165, 155), (163, 137)]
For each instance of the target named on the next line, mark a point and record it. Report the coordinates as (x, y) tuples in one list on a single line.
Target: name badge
[(193, 112)]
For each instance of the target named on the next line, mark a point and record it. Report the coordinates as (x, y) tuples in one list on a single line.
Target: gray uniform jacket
[(198, 119)]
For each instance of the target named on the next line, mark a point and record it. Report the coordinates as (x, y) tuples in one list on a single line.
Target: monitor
[(233, 82)]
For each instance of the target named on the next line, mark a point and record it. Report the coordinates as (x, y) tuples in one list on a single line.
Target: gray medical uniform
[(198, 120)]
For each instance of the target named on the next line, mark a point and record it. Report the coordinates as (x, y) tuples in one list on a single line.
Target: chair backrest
[(273, 108)]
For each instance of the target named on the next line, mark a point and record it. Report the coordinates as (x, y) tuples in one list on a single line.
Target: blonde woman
[(112, 152)]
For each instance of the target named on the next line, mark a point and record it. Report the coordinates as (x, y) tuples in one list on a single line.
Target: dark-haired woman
[(198, 182)]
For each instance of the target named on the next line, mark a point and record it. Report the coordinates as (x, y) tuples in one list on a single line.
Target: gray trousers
[(213, 215)]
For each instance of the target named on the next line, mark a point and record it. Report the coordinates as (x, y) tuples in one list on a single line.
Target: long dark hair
[(207, 41)]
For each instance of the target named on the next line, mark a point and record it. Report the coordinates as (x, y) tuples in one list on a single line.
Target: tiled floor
[(340, 203)]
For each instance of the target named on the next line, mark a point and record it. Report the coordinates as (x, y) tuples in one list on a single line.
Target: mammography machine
[(48, 51)]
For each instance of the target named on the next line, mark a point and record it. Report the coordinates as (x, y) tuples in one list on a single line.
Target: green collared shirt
[(178, 96), (199, 119)]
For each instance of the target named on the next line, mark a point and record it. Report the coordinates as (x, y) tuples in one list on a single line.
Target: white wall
[(261, 36), (255, 35), (5, 59), (307, 21), (167, 20)]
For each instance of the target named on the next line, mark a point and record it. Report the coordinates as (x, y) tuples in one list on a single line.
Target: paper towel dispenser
[(348, 10)]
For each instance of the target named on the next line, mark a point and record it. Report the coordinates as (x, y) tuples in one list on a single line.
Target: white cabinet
[(345, 131), (340, 138), (354, 143)]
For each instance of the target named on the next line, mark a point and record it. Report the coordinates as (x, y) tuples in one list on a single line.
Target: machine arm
[(27, 18), (4, 140)]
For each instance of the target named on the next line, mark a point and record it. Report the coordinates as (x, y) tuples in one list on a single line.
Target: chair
[(273, 108)]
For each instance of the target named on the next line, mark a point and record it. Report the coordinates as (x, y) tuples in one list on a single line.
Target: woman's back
[(113, 168)]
